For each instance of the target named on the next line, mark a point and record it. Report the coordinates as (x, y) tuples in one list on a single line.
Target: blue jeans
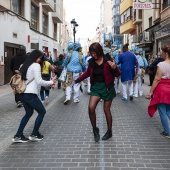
[(31, 102), (164, 112), (47, 92)]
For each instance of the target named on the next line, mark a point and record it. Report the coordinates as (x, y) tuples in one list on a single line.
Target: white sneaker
[(140, 94), (46, 100), (88, 92), (66, 101), (118, 92), (76, 101), (135, 95)]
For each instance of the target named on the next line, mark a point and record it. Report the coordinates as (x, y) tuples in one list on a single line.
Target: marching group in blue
[(102, 69)]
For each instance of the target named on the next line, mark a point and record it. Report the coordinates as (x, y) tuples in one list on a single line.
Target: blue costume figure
[(139, 77), (116, 81), (75, 63)]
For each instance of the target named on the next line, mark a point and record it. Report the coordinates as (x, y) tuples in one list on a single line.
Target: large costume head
[(77, 47), (69, 47), (109, 47)]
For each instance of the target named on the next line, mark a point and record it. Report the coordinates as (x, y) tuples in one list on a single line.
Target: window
[(45, 22), (16, 6), (165, 4), (34, 17), (150, 21), (140, 14), (55, 31), (55, 5), (127, 15)]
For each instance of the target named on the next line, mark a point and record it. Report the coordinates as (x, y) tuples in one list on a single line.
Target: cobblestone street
[(69, 143)]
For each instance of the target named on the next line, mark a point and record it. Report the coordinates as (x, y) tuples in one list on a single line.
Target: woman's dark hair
[(166, 49), (34, 55), (97, 48), (61, 56)]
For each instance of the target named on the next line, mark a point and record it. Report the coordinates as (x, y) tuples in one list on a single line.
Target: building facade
[(116, 20), (105, 19), (36, 24)]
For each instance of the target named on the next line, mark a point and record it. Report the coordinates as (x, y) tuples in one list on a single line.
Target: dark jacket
[(153, 66), (109, 73), (17, 60)]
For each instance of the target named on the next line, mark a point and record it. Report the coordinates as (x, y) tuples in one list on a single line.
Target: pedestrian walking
[(160, 92), (16, 61), (128, 63), (74, 62), (46, 75), (153, 68), (48, 57), (116, 81), (102, 71), (31, 69), (138, 90), (58, 68)]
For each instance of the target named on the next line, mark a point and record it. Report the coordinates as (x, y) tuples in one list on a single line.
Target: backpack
[(17, 84)]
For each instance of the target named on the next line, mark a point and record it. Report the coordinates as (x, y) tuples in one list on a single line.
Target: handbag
[(63, 75)]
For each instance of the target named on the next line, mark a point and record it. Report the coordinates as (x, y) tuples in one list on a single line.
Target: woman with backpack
[(31, 69)]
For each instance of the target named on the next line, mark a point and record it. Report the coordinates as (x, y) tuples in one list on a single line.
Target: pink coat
[(161, 94)]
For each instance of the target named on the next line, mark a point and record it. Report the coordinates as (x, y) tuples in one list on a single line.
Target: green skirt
[(99, 89)]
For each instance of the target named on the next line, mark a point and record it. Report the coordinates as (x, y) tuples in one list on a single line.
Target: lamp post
[(74, 25)]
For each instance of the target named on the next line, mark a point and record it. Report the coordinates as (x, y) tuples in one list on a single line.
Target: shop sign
[(144, 5), (45, 43), (162, 33), (165, 22)]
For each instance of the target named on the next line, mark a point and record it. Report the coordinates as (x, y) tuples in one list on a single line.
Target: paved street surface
[(69, 144)]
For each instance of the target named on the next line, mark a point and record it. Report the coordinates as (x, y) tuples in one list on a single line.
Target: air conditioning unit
[(146, 36)]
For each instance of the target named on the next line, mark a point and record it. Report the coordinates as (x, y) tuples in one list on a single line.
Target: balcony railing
[(145, 37)]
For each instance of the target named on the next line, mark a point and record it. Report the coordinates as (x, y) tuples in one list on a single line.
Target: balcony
[(124, 5), (145, 39), (57, 17), (127, 27), (137, 17), (48, 5)]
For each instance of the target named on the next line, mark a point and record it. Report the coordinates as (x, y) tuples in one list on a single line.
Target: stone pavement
[(69, 145)]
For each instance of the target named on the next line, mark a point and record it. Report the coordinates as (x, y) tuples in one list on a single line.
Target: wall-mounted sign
[(144, 5), (142, 1)]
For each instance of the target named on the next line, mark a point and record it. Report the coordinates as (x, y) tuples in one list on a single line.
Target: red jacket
[(109, 73), (161, 94)]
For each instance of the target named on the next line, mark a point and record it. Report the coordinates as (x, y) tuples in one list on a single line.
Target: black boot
[(107, 135), (96, 134)]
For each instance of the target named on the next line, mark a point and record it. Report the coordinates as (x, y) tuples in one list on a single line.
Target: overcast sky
[(86, 14)]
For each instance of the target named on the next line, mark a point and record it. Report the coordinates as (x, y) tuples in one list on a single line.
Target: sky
[(86, 14)]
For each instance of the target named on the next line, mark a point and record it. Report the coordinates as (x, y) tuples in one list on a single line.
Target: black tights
[(106, 107)]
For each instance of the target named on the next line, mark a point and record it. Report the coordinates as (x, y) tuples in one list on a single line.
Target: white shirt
[(34, 71), (165, 68)]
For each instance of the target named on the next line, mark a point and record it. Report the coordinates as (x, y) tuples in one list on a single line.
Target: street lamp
[(74, 25)]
